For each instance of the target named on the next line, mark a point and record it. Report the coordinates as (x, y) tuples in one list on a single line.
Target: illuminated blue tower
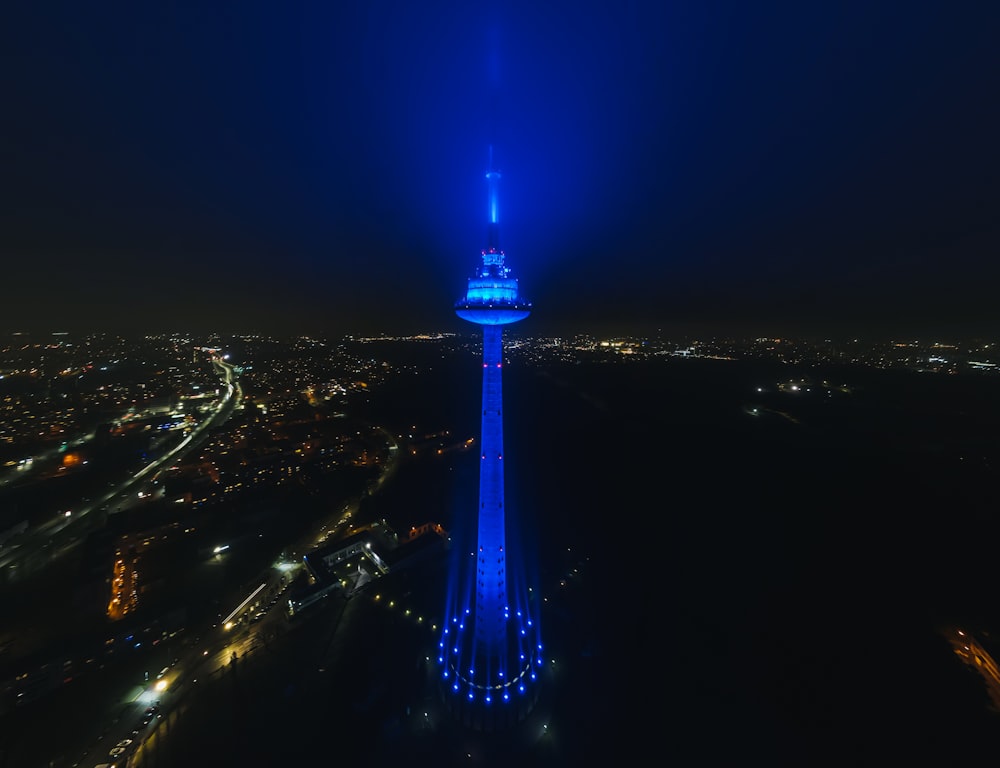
[(490, 647)]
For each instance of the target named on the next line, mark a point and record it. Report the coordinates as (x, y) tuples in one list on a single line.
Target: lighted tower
[(490, 647)]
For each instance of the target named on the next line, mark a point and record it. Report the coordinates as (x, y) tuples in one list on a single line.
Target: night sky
[(795, 167)]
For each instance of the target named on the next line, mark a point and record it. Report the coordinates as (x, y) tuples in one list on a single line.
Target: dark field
[(769, 585)]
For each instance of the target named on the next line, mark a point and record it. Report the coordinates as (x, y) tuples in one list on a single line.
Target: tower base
[(496, 688), (489, 718)]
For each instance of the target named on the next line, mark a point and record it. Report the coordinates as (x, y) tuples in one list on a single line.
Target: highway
[(248, 620), (256, 618), (34, 551)]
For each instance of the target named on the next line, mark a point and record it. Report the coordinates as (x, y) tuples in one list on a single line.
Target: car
[(119, 749)]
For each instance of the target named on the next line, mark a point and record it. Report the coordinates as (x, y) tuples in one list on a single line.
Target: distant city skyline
[(314, 169)]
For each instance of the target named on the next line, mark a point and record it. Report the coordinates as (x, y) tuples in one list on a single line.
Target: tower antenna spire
[(493, 214)]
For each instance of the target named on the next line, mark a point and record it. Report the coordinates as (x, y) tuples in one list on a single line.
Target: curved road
[(33, 553)]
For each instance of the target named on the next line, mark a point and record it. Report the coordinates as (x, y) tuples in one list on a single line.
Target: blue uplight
[(493, 186)]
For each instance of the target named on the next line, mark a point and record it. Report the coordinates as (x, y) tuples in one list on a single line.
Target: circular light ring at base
[(474, 689), (492, 710)]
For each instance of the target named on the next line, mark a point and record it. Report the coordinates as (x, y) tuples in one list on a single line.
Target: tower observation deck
[(490, 647)]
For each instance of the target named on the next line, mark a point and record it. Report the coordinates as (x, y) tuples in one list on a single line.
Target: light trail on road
[(243, 605)]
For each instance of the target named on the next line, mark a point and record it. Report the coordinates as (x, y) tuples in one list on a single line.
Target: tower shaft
[(491, 600)]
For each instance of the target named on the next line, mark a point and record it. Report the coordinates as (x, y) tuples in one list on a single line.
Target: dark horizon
[(776, 168)]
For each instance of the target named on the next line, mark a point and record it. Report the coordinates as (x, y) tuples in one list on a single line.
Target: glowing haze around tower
[(490, 647)]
